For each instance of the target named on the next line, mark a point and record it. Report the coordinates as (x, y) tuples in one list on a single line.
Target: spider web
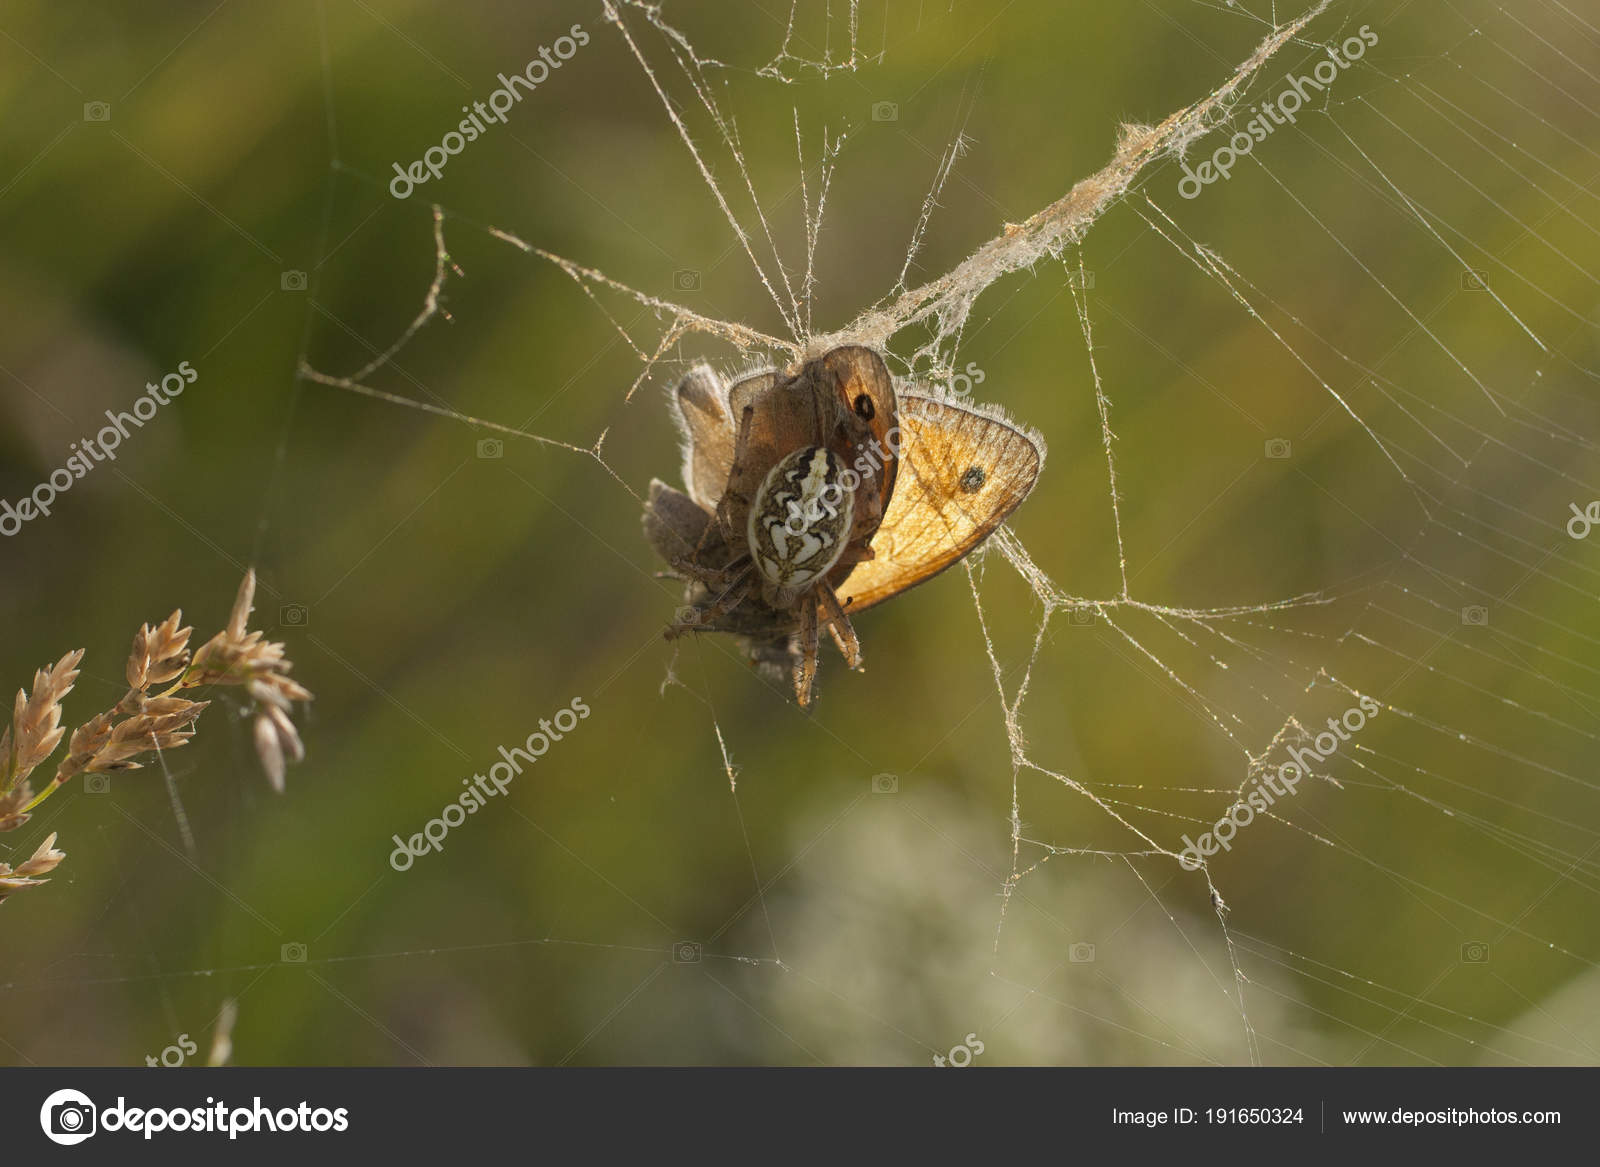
[(1434, 437), (1470, 448)]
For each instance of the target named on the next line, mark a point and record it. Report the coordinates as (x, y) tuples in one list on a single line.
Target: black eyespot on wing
[(864, 408), (973, 479)]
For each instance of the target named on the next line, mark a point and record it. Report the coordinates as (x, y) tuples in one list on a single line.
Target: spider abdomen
[(800, 522)]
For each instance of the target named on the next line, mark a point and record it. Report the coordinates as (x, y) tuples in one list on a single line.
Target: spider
[(789, 477), (815, 494)]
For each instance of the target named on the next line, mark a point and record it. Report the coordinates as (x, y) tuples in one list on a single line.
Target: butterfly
[(817, 494)]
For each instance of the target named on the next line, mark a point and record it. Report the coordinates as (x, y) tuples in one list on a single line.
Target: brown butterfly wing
[(857, 372), (710, 430), (961, 472), (778, 415), (815, 407), (707, 434), (785, 414), (681, 529)]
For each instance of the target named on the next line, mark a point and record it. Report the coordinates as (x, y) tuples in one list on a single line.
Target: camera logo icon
[(1475, 614), (96, 784), (885, 784), (1084, 616), (491, 448), (687, 616), (1474, 280), (686, 280), (1475, 952), (1081, 953), (292, 281), (686, 952), (293, 953), (1082, 280), (97, 111), (885, 111), (68, 1117), (294, 615), (1278, 448)]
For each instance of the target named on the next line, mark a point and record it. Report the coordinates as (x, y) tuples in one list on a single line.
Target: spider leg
[(805, 669), (741, 450), (713, 577), (839, 627), (855, 554), (823, 409), (730, 598)]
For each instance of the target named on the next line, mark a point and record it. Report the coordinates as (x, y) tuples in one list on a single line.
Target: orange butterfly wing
[(961, 472)]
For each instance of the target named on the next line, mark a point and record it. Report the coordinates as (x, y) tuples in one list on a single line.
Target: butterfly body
[(814, 495)]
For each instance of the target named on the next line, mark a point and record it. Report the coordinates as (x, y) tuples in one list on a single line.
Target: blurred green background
[(624, 904)]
